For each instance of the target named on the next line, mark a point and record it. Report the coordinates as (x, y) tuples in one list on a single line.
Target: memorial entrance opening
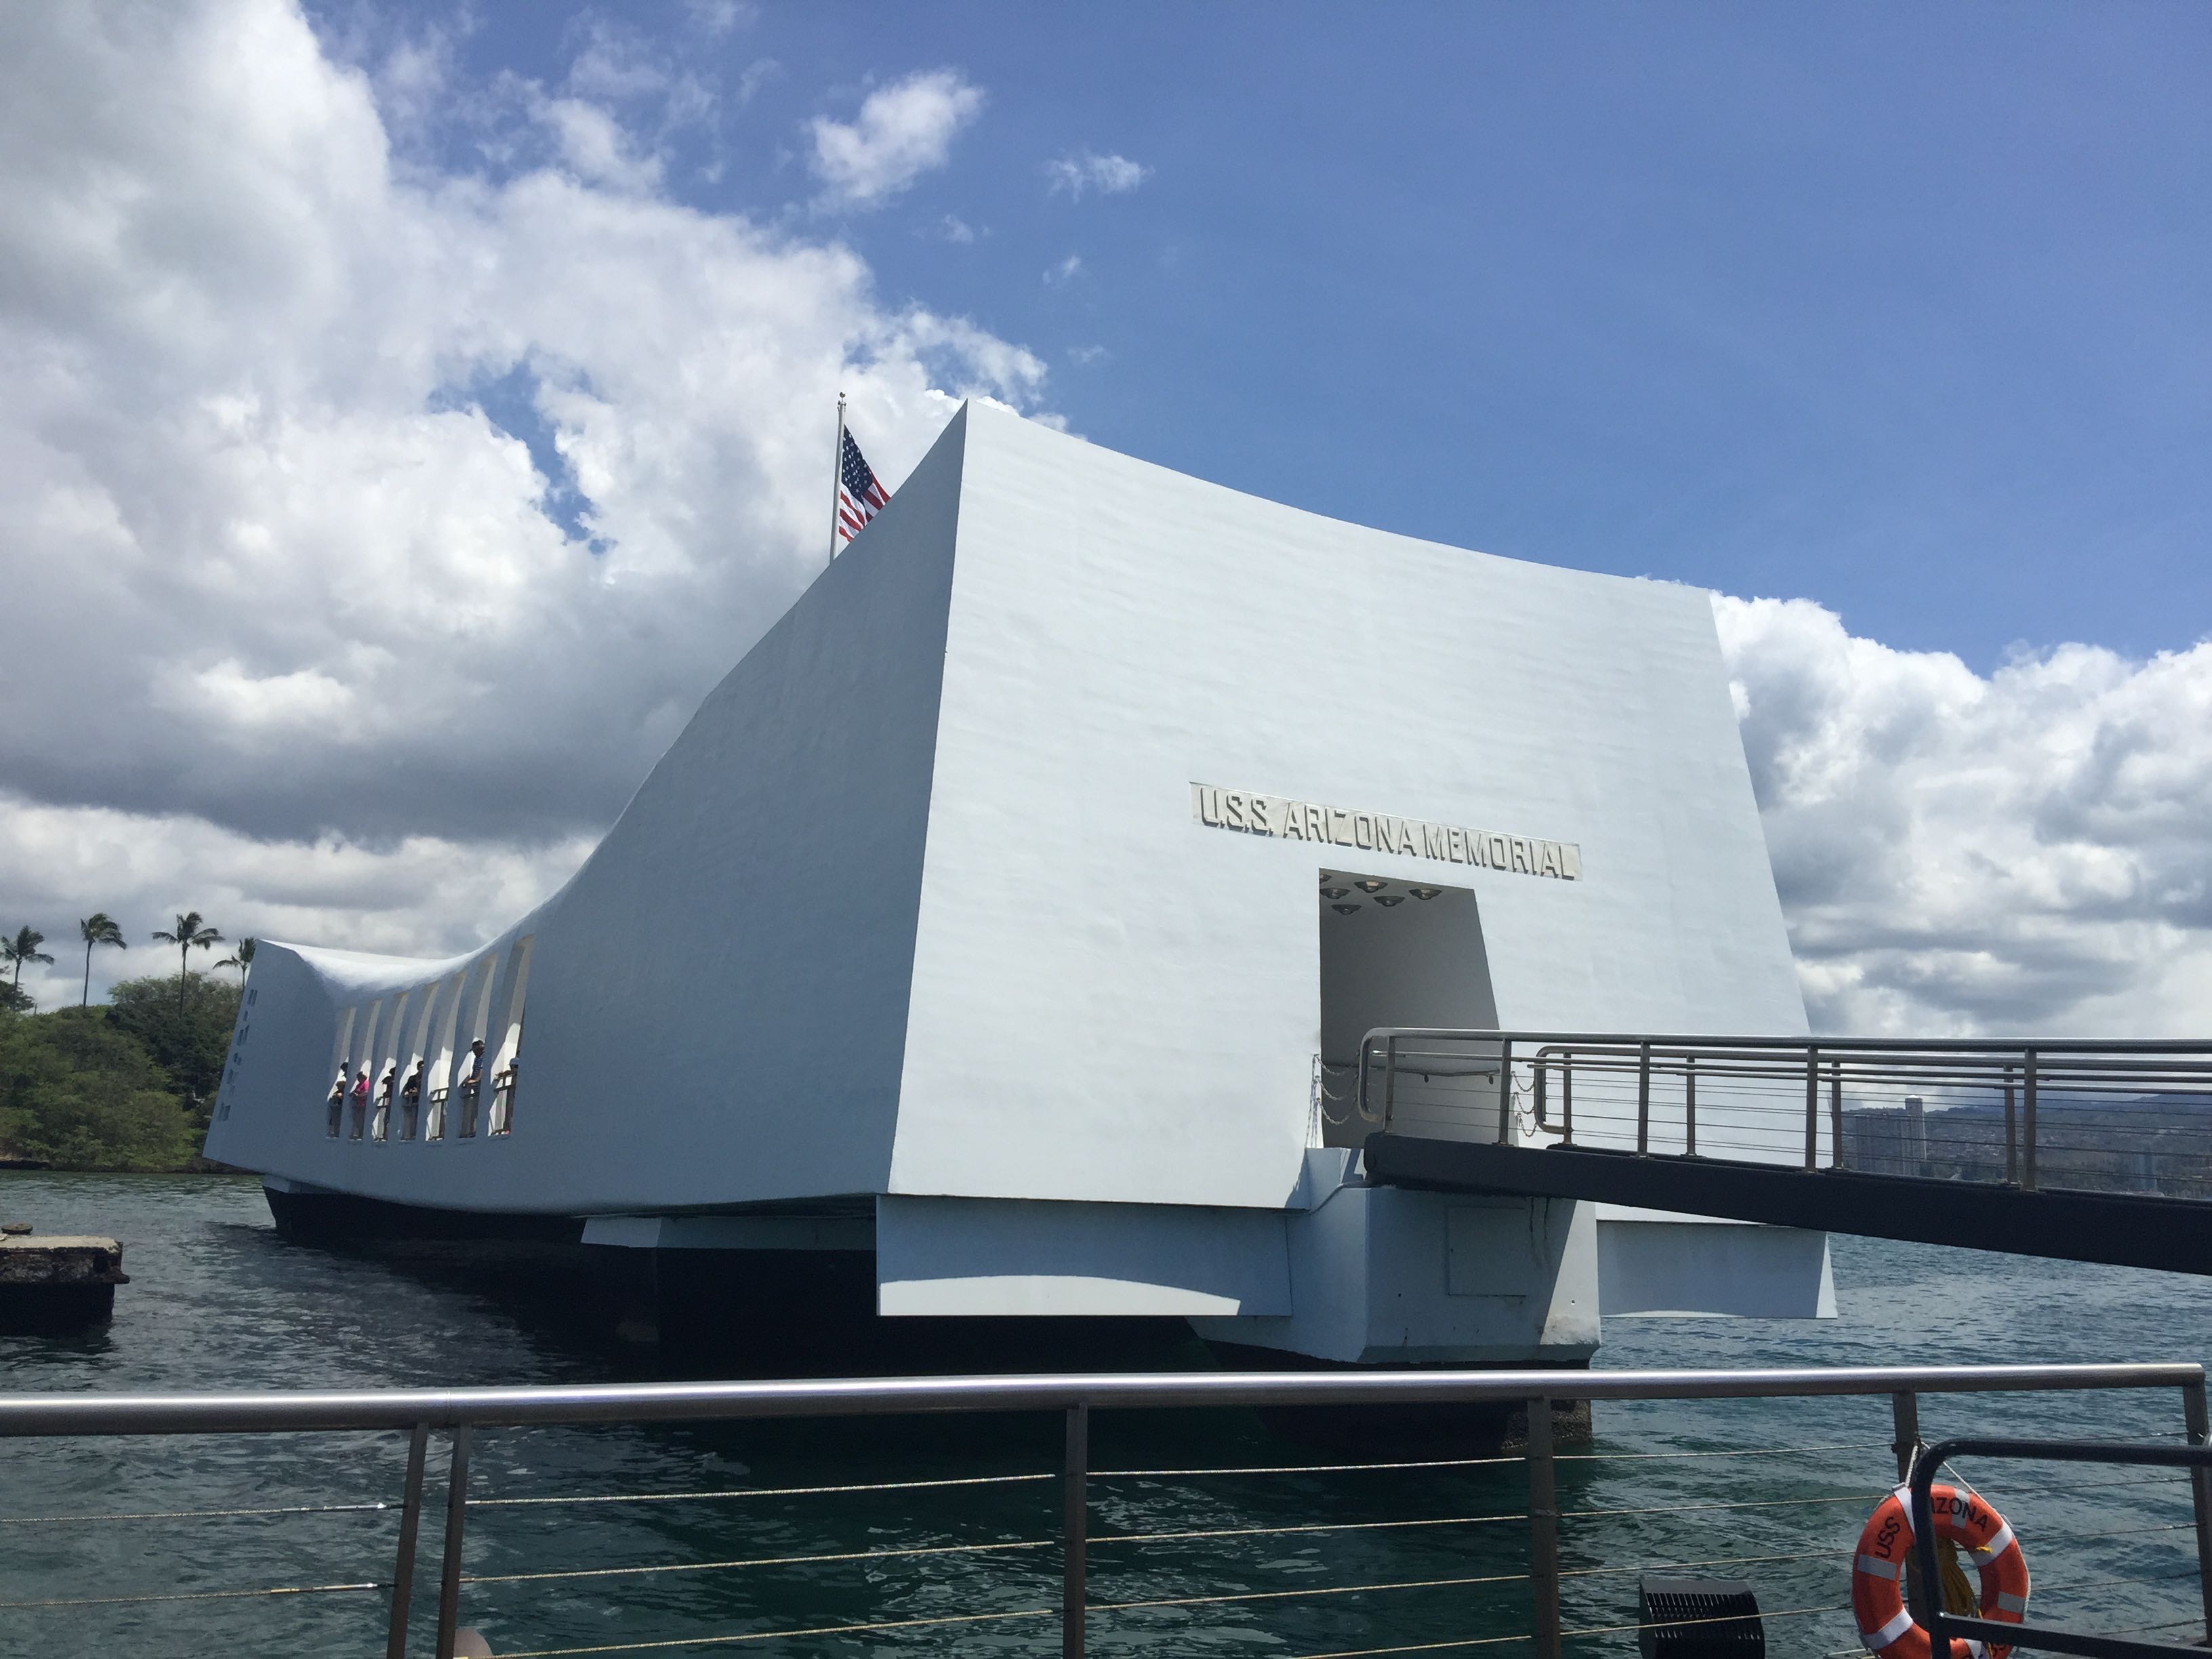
[(1394, 952)]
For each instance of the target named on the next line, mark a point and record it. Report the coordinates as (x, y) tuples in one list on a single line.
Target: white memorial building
[(985, 932)]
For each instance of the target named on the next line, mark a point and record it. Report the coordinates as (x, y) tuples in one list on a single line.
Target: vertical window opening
[(342, 1062), (384, 1076), (414, 1058), (507, 1065), (472, 1062), (440, 1073), (363, 1078)]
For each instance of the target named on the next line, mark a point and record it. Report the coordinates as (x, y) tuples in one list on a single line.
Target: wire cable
[(755, 1492), (1421, 1647), (1291, 1595), (1300, 1469), (781, 1635), (1317, 1526), (191, 1595), (193, 1514), (754, 1561), (1721, 1618)]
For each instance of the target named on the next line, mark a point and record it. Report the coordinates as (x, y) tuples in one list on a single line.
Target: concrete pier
[(56, 1283)]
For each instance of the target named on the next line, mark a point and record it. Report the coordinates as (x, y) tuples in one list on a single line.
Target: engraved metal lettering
[(1252, 814)]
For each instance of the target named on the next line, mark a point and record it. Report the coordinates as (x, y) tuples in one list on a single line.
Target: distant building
[(1887, 1139)]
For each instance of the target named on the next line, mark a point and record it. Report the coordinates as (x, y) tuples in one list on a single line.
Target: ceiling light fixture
[(1334, 892), (1371, 885), (1343, 909), (1390, 898), (1427, 892)]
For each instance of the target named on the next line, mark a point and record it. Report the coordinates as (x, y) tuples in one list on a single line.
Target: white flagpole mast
[(836, 474)]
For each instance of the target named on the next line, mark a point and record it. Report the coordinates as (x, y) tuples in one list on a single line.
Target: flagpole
[(836, 474)]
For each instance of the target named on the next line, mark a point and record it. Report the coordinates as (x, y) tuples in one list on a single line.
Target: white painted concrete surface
[(917, 910)]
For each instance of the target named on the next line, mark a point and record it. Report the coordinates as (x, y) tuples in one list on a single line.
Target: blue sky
[(1903, 309), (1889, 325)]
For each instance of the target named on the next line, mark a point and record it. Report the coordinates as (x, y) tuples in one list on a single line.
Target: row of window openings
[(464, 1117), (405, 1083)]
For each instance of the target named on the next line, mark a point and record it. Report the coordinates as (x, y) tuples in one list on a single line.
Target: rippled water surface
[(217, 1300)]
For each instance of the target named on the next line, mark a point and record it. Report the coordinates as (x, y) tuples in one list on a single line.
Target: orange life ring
[(1878, 1573)]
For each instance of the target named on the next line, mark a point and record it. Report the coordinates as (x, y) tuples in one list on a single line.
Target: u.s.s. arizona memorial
[(986, 943)]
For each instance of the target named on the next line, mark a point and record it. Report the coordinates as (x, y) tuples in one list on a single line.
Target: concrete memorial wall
[(990, 889)]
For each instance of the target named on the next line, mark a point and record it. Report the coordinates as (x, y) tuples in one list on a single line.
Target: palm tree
[(23, 948), (241, 959), (98, 928), (190, 934)]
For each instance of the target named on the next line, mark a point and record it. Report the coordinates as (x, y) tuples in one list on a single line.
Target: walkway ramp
[(2070, 1151)]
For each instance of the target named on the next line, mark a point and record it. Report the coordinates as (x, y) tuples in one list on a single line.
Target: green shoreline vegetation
[(126, 1085)]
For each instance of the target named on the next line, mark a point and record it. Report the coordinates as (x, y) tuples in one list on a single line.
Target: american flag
[(860, 494)]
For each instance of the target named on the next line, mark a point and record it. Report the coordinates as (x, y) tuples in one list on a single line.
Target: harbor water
[(276, 1545)]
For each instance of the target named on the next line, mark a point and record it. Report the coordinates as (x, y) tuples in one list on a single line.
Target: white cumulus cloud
[(2029, 850), (367, 531), (1086, 171), (903, 130)]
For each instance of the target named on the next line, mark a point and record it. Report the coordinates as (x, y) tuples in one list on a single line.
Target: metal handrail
[(1825, 1044), (419, 1411), (2018, 1069), (1942, 1626), (58, 1414)]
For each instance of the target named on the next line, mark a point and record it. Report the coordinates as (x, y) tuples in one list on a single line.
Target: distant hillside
[(2156, 1142)]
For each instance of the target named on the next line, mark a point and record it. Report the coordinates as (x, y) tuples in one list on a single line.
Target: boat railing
[(1943, 1625), (2085, 1115), (460, 1415)]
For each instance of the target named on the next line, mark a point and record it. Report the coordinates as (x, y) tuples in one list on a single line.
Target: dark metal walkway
[(2126, 1229), (2077, 1152)]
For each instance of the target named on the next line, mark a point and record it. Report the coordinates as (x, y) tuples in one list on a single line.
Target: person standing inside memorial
[(471, 1082)]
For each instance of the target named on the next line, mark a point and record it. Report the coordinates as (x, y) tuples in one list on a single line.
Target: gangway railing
[(2133, 1117), (461, 1413)]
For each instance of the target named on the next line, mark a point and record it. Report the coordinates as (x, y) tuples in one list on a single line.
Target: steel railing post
[(449, 1571), (2027, 1122), (2199, 1426), (1506, 1092), (1543, 1069), (1075, 1520), (1690, 1106), (1813, 1107), (2012, 1135), (1389, 1078), (1543, 1532), (1643, 1097), (1835, 1115), (1567, 1097), (1905, 1425), (410, 1521)]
